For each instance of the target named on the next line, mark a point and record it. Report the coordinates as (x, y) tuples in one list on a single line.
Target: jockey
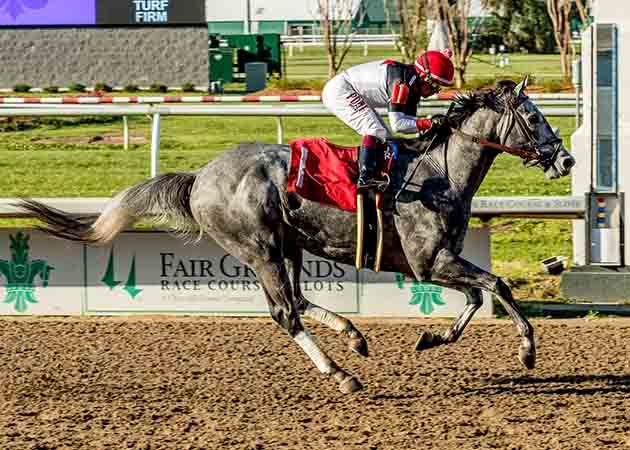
[(354, 94)]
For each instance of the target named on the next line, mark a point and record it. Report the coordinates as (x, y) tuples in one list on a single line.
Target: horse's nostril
[(567, 163)]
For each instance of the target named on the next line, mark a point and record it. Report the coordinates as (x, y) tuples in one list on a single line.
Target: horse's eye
[(533, 119)]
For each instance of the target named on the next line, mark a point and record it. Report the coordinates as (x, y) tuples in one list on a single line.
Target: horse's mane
[(466, 104)]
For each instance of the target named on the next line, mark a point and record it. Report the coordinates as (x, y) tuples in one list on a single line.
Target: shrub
[(51, 89), (188, 87), (76, 87), (284, 83), (132, 88), (478, 83), (552, 85), (103, 87), (21, 88), (158, 88)]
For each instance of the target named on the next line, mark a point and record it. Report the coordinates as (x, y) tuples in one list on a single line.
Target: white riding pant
[(347, 104)]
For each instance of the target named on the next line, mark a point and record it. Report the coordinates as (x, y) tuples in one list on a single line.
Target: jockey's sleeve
[(402, 123), (403, 99)]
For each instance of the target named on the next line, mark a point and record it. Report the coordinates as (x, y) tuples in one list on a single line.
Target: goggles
[(435, 86)]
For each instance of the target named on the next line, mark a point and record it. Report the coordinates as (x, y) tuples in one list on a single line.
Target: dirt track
[(211, 383)]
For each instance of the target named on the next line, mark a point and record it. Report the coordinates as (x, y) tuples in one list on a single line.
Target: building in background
[(290, 17)]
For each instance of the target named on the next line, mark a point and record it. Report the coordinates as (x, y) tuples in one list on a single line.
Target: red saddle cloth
[(324, 172)]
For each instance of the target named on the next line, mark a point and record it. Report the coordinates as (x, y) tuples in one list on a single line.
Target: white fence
[(556, 207)]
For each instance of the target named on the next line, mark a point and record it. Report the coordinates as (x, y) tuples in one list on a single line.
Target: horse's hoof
[(350, 385), (428, 340), (527, 356), (359, 345)]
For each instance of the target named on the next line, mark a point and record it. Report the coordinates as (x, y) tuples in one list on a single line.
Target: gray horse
[(241, 201)]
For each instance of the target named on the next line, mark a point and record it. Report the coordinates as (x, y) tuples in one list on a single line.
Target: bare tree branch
[(335, 17), (412, 16), (582, 12), (456, 18), (559, 13)]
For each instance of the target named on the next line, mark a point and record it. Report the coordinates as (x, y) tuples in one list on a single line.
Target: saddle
[(327, 173)]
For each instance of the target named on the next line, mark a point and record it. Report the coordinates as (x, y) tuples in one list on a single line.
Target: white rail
[(483, 207)]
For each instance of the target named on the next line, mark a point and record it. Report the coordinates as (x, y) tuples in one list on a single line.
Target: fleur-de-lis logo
[(425, 295), (20, 273), (15, 8)]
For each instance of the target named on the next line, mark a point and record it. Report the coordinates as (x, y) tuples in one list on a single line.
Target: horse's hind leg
[(452, 270), (277, 287), (266, 258), (357, 342), (474, 300)]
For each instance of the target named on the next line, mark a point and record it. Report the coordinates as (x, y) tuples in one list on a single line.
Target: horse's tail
[(163, 199)]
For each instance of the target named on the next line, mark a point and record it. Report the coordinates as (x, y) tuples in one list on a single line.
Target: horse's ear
[(520, 88)]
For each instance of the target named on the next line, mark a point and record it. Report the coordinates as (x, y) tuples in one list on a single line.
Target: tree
[(335, 18), (559, 13), (518, 24), (582, 11), (412, 34), (454, 14)]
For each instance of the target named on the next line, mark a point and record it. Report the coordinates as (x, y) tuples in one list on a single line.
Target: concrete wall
[(117, 56)]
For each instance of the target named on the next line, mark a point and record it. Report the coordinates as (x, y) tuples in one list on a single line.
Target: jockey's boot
[(367, 164)]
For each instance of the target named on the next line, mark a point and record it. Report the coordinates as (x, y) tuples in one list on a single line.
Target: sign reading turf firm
[(39, 275), (393, 294), (153, 272), (150, 12)]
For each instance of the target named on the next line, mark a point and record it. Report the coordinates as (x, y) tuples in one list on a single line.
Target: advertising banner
[(47, 12), (18, 13), (147, 272)]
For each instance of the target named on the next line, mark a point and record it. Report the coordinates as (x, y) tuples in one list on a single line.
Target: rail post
[(125, 133), (155, 144), (280, 130)]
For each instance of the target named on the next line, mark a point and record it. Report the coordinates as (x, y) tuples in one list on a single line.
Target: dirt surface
[(108, 139), (220, 383)]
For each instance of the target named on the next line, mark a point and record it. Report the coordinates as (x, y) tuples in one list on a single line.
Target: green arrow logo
[(109, 279), (130, 285)]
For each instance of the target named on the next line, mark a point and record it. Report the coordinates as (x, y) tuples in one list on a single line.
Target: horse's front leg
[(474, 300), (451, 269)]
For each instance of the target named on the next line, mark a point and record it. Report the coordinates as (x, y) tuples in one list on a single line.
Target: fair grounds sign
[(154, 273)]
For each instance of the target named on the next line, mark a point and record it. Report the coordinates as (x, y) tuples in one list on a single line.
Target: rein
[(520, 152)]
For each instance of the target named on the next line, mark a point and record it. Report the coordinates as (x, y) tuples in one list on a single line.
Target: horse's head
[(524, 127)]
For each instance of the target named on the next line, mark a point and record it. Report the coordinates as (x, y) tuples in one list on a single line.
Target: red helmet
[(436, 66)]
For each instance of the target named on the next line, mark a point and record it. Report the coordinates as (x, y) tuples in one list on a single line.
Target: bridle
[(531, 153)]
